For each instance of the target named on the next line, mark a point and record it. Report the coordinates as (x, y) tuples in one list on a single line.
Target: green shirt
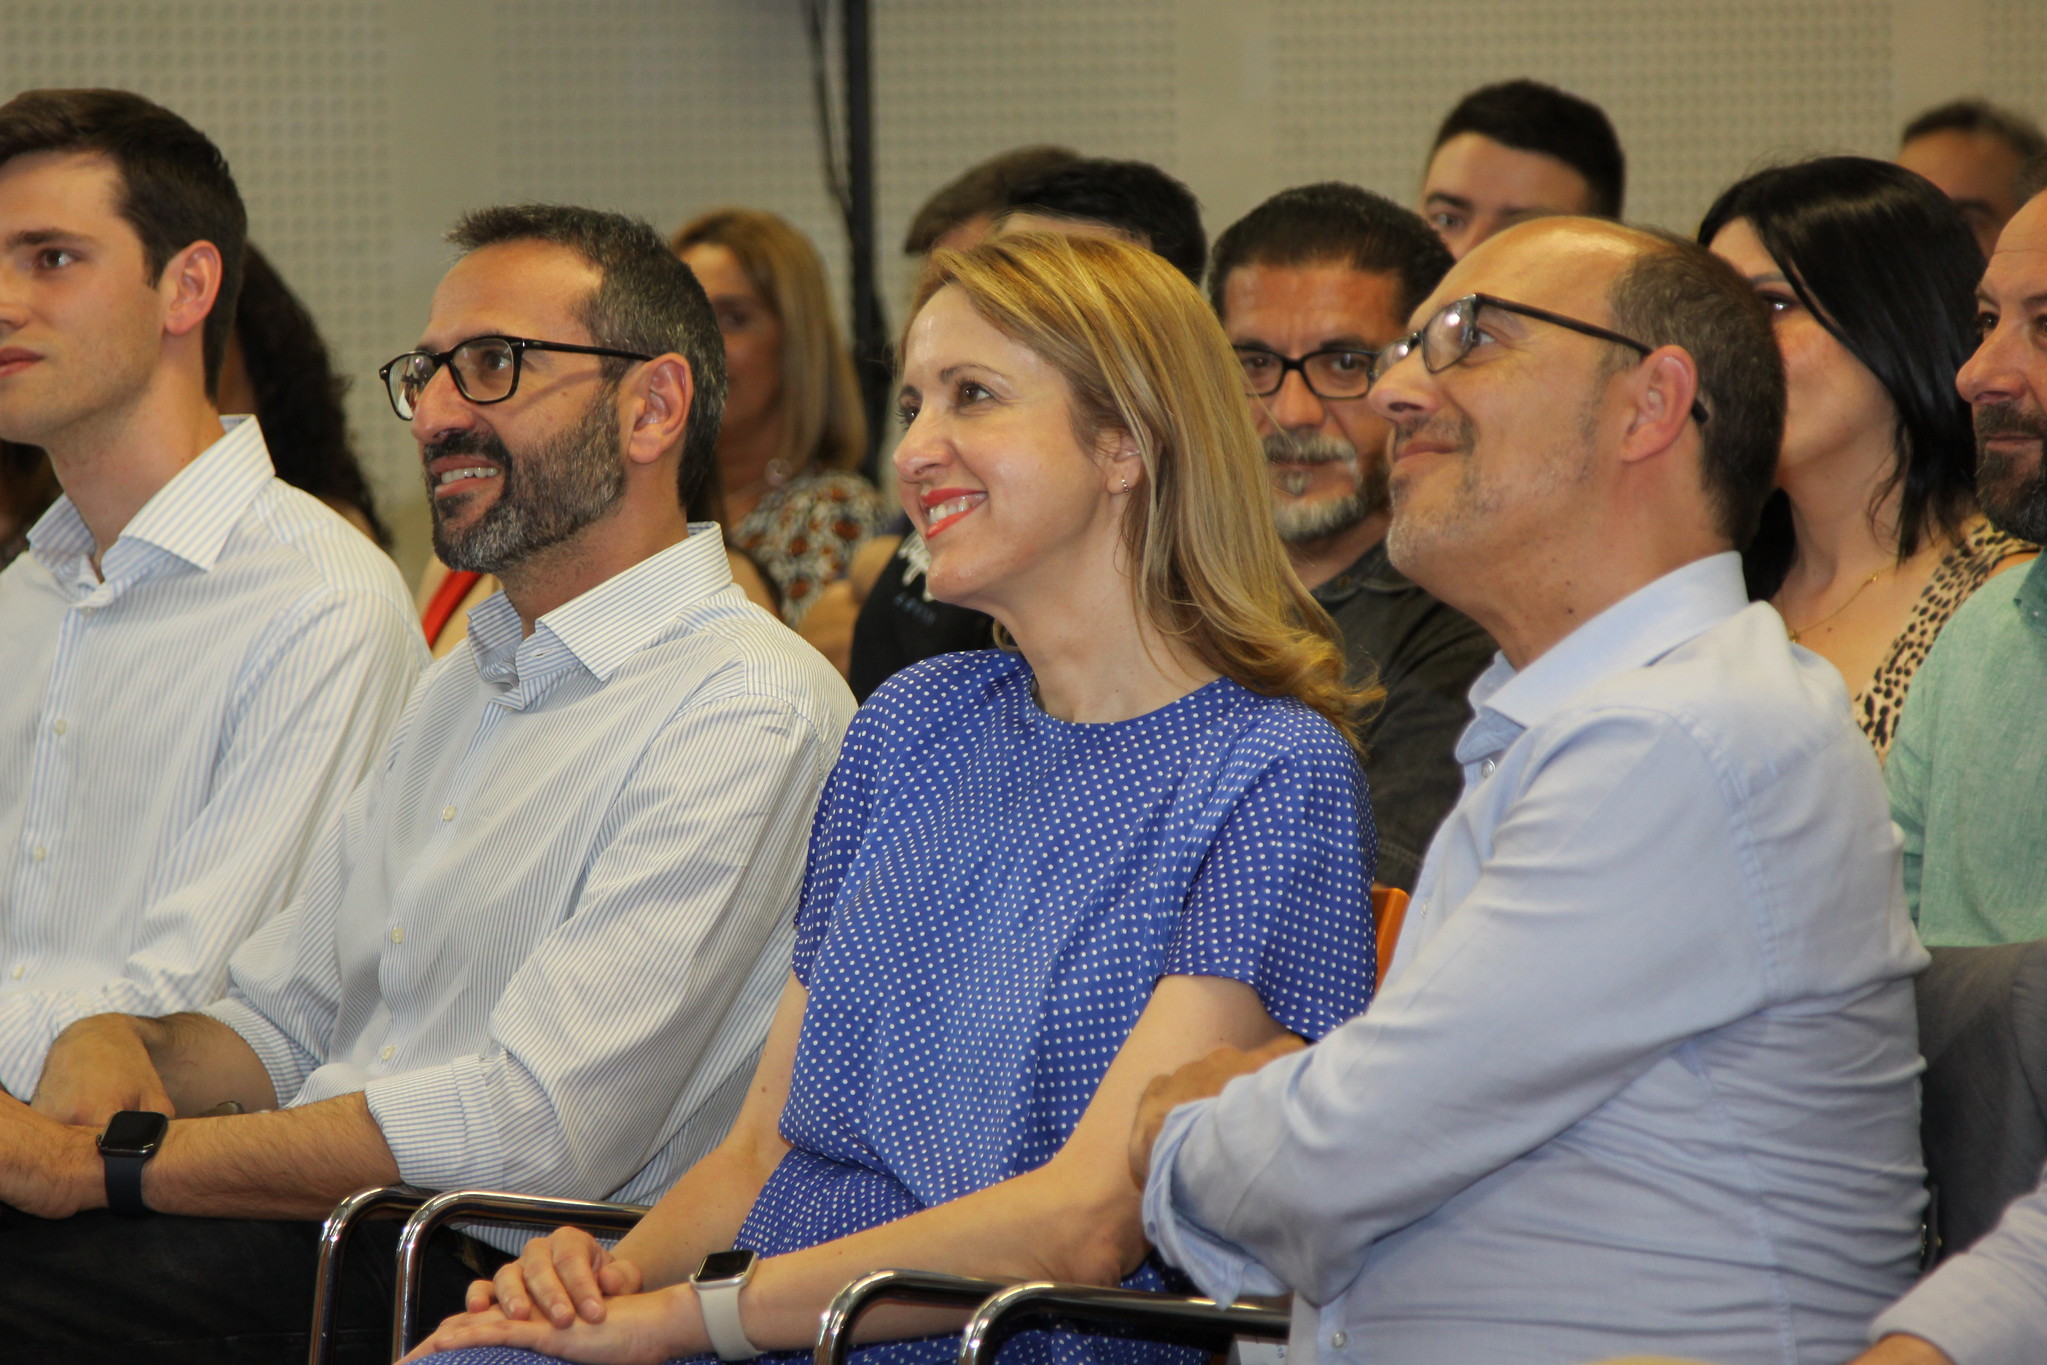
[(1968, 770)]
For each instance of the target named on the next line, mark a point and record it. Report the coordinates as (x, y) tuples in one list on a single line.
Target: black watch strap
[(124, 1182), (132, 1137)]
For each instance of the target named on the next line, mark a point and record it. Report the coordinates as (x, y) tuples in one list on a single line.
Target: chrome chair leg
[(835, 1327), (378, 1201)]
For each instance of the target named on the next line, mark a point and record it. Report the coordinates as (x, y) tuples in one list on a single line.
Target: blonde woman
[(1038, 877), (793, 434)]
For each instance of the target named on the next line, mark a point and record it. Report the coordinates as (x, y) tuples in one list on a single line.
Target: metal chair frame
[(486, 1206), (378, 1201), (999, 1307)]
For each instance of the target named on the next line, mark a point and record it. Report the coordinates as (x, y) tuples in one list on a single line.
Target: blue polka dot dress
[(991, 895)]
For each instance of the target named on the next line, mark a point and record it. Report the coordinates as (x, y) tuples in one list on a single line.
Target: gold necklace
[(1874, 574)]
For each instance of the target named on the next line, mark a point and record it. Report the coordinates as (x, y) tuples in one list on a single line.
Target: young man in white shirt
[(201, 661)]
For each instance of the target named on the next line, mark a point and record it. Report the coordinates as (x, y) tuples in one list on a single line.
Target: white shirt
[(547, 937), (174, 736), (1643, 1078)]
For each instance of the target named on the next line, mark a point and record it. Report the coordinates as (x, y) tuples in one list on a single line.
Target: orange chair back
[(1389, 912)]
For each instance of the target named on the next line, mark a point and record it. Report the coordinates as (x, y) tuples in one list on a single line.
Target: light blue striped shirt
[(1644, 1074), (546, 938), (173, 737)]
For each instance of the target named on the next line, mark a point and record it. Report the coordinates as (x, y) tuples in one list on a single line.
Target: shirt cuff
[(288, 1067), (440, 1125), (1224, 1273), (1973, 1310)]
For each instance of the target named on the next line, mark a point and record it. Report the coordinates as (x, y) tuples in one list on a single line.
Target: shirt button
[(18, 970), (59, 726), (1339, 1339), (398, 933), (447, 812), (388, 1053), (38, 853), (1486, 768)]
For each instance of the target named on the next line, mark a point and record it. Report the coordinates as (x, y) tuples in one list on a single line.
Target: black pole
[(870, 331)]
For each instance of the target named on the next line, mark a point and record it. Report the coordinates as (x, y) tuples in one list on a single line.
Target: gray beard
[(549, 493), (1306, 523)]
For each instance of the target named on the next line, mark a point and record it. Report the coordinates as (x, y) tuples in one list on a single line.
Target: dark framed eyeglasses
[(1452, 331), (1337, 372), (485, 369)]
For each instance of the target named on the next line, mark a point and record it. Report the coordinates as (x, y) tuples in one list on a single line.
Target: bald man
[(1643, 1077)]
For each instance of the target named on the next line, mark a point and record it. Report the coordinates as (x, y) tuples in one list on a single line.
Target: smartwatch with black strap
[(718, 1282), (133, 1136)]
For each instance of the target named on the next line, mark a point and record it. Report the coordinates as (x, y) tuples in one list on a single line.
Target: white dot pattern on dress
[(992, 894)]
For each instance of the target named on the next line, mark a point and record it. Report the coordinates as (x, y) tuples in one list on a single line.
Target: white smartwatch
[(718, 1282)]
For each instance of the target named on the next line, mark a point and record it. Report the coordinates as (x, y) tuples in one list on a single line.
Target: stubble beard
[(547, 495), (1305, 523), (2012, 496)]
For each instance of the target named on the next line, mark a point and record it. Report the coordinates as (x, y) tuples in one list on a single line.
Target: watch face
[(134, 1130), (724, 1265)]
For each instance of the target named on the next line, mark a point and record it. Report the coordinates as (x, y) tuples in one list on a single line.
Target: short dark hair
[(298, 394), (1131, 196), (648, 301), (1677, 293), (1977, 115), (1532, 117), (982, 188), (1887, 264), (176, 188), (1332, 222)]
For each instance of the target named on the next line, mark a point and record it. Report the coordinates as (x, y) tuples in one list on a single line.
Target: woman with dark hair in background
[(1872, 539), (277, 367), (793, 436)]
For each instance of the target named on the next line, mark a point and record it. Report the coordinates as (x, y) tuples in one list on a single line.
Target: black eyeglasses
[(1452, 331), (1338, 372), (485, 369)]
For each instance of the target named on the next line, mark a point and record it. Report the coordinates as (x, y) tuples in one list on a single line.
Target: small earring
[(1126, 484)]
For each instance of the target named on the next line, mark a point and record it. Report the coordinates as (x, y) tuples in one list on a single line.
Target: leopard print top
[(1960, 572)]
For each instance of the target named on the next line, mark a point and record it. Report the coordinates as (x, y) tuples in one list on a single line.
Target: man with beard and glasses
[(1643, 1077), (1309, 286), (540, 948), (1968, 770)]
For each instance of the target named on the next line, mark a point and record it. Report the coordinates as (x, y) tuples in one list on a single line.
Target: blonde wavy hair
[(823, 423), (1144, 356)]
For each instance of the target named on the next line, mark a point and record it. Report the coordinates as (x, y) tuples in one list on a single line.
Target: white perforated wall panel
[(359, 128)]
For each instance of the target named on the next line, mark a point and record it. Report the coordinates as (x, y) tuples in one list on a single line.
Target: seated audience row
[(1091, 909)]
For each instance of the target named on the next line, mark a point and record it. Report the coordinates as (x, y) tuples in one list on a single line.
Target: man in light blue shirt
[(1644, 1075), (540, 948), (197, 662)]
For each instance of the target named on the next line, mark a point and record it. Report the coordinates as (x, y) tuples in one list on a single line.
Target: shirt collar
[(1373, 572), (602, 628), (189, 517), (1632, 633)]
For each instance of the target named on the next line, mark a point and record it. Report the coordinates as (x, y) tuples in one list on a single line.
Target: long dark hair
[(298, 394), (1888, 266)]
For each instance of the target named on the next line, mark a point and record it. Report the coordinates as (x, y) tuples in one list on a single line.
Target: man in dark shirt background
[(1309, 285)]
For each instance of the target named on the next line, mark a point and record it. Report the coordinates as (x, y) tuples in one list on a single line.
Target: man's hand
[(97, 1068), (1194, 1081), (48, 1169), (1899, 1349), (640, 1329), (558, 1278)]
